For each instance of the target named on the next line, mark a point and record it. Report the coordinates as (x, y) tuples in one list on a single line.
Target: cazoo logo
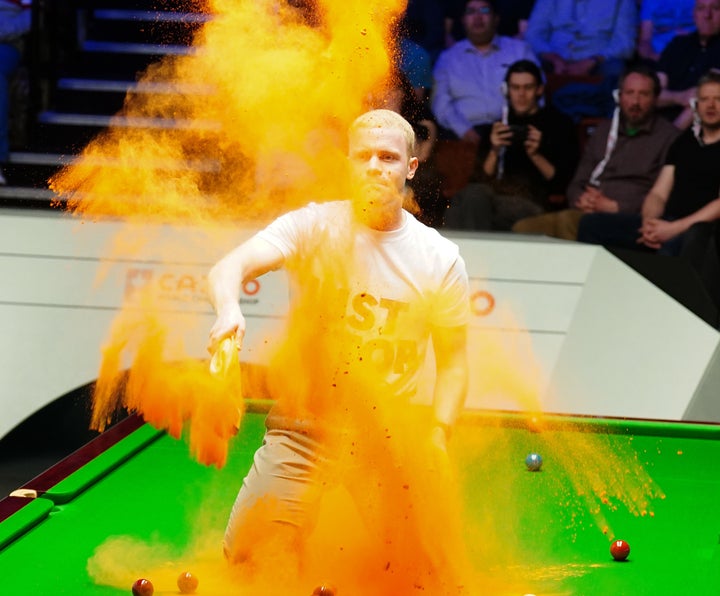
[(176, 286), (482, 303)]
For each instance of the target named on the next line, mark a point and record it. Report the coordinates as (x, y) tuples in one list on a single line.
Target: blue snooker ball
[(533, 462)]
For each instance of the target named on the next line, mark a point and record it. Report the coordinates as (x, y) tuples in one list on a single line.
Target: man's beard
[(636, 121)]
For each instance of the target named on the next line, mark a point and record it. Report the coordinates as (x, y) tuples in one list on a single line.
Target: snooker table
[(544, 532)]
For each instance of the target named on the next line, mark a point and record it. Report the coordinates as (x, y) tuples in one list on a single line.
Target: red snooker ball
[(143, 587), (619, 550), (324, 590), (187, 583)]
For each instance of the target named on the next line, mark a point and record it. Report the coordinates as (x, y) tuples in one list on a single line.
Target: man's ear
[(412, 167)]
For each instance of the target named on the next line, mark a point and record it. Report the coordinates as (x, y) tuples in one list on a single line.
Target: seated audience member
[(578, 39), (513, 15), (529, 156), (620, 163), (660, 21), (686, 58), (467, 90), (15, 21), (414, 61), (679, 211)]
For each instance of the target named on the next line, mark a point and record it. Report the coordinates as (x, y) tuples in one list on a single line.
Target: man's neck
[(632, 127), (384, 222), (482, 45), (526, 114), (710, 135), (705, 39)]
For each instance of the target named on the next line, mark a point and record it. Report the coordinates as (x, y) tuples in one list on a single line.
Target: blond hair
[(386, 119)]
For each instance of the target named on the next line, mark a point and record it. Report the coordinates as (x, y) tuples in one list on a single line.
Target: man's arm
[(500, 136), (645, 48), (707, 213), (14, 24), (654, 206), (251, 259), (669, 98), (532, 148), (442, 101), (654, 203), (624, 38), (658, 231), (450, 346), (539, 28), (592, 155)]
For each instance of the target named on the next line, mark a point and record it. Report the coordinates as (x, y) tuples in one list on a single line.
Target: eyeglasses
[(477, 10)]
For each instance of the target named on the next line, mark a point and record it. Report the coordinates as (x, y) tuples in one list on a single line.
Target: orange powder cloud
[(256, 127), (259, 128)]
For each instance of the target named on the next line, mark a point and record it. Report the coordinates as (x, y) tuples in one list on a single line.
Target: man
[(677, 212), (686, 58), (583, 38), (577, 39), (15, 20), (620, 163), (528, 158), (467, 94), (660, 22), (370, 286)]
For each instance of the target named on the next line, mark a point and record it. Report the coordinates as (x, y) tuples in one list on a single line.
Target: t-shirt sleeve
[(674, 151), (288, 230), (453, 301)]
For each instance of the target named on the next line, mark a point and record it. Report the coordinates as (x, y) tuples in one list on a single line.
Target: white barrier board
[(582, 332)]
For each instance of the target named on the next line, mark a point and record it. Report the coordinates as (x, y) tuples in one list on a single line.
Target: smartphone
[(519, 133)]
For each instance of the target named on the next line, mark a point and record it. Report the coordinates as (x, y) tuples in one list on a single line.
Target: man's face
[(708, 105), (480, 22), (524, 92), (380, 165), (707, 17), (637, 100)]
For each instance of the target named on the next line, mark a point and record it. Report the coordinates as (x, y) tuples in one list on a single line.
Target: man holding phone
[(529, 157)]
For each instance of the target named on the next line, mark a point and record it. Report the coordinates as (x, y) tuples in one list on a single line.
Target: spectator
[(620, 163), (467, 94), (660, 21), (529, 156), (686, 58), (414, 61), (14, 23), (578, 39), (677, 212)]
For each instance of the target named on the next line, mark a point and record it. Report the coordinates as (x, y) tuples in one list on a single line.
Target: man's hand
[(594, 201), (500, 135), (654, 232), (532, 142), (230, 322), (471, 136), (559, 66), (580, 68)]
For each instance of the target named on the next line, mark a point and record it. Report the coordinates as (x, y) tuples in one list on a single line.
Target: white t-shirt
[(380, 292)]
